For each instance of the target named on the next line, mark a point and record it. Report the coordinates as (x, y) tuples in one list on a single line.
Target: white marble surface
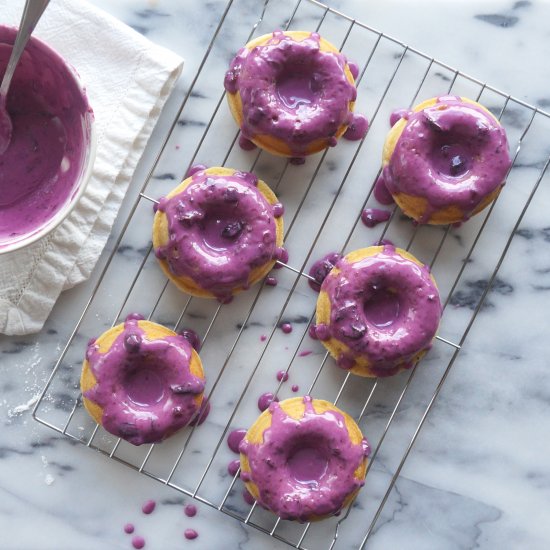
[(478, 475)]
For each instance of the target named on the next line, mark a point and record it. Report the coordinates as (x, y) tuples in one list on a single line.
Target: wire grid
[(323, 202)]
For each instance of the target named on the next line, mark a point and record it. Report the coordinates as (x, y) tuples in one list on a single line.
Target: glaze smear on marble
[(145, 387), (371, 217), (297, 469)]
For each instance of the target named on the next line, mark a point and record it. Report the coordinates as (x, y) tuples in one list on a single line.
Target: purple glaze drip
[(398, 114), (146, 390), (278, 210), (245, 144), (371, 217), (357, 129), (47, 150), (234, 438), (451, 154), (148, 507), (265, 400), (190, 510), (194, 169), (354, 69), (305, 353), (304, 467), (129, 528), (192, 337), (190, 534), (221, 228), (282, 376), (233, 467), (297, 161), (291, 91), (312, 332), (286, 328), (203, 413), (383, 307), (248, 498), (271, 281), (381, 193), (295, 388), (138, 542), (321, 268)]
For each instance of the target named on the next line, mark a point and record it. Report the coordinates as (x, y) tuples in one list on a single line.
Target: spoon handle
[(31, 14)]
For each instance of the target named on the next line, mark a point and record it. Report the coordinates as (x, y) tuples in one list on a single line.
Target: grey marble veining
[(477, 476)]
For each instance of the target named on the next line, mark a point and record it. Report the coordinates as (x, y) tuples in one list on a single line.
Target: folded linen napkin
[(128, 79)]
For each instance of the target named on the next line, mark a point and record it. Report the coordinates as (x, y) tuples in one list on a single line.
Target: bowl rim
[(82, 183)]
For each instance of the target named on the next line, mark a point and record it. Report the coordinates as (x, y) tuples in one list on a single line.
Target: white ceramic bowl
[(83, 169)]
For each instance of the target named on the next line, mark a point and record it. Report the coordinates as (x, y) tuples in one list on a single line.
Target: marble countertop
[(478, 474)]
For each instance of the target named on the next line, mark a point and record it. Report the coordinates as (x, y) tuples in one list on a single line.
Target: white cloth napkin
[(128, 80)]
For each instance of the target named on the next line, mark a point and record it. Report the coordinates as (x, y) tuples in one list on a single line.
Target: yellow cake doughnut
[(444, 161), (378, 311), (218, 232), (304, 459), (141, 381)]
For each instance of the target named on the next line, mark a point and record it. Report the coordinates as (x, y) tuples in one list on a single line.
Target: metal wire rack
[(323, 200)]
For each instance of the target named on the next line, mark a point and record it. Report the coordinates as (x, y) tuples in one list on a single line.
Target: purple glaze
[(398, 114), (453, 153), (263, 338), (193, 169), (384, 307), (304, 467), (203, 413), (129, 528), (295, 388), (190, 510), (138, 542), (357, 129), (354, 69), (381, 193), (46, 154), (321, 268), (291, 91), (190, 534), (286, 328), (265, 400), (305, 353), (312, 332), (322, 332), (246, 144), (192, 337), (233, 467), (148, 507), (371, 217), (282, 376), (248, 498), (221, 228), (144, 386), (271, 281), (234, 438)]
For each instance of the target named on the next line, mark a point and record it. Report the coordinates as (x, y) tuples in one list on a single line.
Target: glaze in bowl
[(49, 161)]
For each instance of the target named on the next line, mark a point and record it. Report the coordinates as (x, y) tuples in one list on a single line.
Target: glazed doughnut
[(292, 93), (445, 160), (141, 381), (378, 311), (218, 232), (304, 459)]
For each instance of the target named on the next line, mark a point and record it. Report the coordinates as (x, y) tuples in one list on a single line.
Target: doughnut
[(304, 459), (378, 311), (141, 381), (445, 160), (218, 232), (292, 93)]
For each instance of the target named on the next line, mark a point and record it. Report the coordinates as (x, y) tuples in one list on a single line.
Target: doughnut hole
[(144, 383), (382, 307), (297, 86), (307, 461), (451, 159), (220, 229)]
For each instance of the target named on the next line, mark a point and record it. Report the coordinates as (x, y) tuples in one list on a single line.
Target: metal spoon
[(31, 15)]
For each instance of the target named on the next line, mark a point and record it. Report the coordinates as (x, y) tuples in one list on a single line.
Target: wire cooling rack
[(243, 347)]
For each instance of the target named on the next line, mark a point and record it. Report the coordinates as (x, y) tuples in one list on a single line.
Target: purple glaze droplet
[(297, 161), (312, 333), (138, 542), (354, 69), (190, 510), (148, 507), (371, 217), (357, 129), (233, 467), (234, 439), (295, 388), (246, 144), (263, 338), (282, 376), (129, 528), (265, 400), (193, 169), (271, 281), (381, 193), (305, 353), (278, 210), (397, 115), (190, 534), (286, 328), (321, 268), (322, 332), (282, 255)]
